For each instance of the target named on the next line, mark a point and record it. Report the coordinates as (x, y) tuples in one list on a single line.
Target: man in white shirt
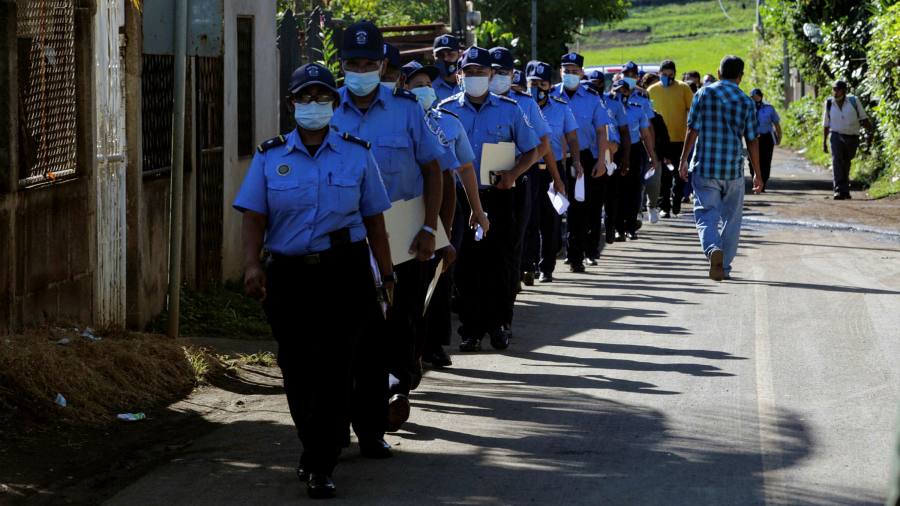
[(843, 117)]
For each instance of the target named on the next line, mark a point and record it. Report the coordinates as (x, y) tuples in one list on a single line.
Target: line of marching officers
[(352, 329)]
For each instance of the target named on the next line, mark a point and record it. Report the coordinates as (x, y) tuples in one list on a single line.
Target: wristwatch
[(389, 278)]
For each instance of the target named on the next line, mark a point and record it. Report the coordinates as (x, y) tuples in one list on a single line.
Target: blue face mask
[(425, 95), (313, 116), (632, 82), (571, 81), (361, 84), (446, 68), (538, 94), (665, 80)]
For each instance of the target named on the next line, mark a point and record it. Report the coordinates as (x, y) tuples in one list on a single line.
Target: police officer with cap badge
[(446, 59), (311, 198), (483, 267), (563, 133), (407, 152), (436, 330)]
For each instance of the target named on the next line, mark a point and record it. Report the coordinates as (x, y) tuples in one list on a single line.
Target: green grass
[(218, 312), (676, 20), (701, 54)]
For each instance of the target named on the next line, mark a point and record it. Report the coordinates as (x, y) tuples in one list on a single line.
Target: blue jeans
[(719, 201)]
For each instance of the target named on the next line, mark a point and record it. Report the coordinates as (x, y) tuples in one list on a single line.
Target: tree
[(558, 23)]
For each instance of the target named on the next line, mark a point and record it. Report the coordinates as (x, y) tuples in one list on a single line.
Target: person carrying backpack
[(842, 120)]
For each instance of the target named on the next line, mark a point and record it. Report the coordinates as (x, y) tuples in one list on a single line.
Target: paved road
[(641, 382)]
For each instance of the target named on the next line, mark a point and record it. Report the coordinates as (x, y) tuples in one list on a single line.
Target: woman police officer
[(313, 197)]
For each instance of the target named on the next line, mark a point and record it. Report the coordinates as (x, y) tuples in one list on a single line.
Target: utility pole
[(177, 190), (759, 23), (534, 29)]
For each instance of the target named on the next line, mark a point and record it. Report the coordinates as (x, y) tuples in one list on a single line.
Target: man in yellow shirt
[(672, 100)]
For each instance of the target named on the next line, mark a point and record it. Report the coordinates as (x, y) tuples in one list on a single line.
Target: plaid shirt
[(723, 115)]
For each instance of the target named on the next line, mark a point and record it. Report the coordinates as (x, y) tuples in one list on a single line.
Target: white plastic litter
[(131, 417), (60, 400)]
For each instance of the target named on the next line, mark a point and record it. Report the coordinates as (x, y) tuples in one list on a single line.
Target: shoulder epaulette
[(356, 140), (449, 100), (271, 143), (523, 93), (507, 99), (592, 90), (558, 99), (400, 92), (445, 111)]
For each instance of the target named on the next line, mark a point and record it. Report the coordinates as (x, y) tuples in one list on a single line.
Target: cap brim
[(430, 71), (441, 48), (307, 84), (367, 54)]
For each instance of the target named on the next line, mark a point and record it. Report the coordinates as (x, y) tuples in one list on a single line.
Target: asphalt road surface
[(641, 382)]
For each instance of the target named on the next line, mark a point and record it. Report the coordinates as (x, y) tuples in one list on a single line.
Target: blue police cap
[(412, 68), (596, 75), (362, 40), (476, 56), (310, 74), (630, 67), (538, 70), (501, 58), (446, 41), (572, 59), (392, 55), (620, 83), (519, 79), (756, 91)]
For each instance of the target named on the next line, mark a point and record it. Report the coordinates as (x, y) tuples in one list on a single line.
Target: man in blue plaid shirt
[(722, 117)]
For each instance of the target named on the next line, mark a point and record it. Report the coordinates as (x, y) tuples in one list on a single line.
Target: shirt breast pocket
[(393, 152), (288, 195), (499, 133), (343, 194)]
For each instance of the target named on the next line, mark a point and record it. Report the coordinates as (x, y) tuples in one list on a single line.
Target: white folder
[(403, 222), (498, 157), (579, 188)]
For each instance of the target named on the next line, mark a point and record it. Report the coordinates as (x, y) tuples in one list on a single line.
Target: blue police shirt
[(307, 197), (443, 89), (585, 105), (645, 102), (637, 119), (458, 142), (561, 121), (498, 120), (617, 118), (767, 116), (401, 140), (533, 111)]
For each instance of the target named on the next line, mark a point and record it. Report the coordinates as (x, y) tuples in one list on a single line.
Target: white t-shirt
[(844, 119)]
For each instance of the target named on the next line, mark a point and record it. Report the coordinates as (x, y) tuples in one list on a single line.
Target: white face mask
[(476, 86), (425, 95), (571, 81), (313, 116), (362, 83), (500, 84)]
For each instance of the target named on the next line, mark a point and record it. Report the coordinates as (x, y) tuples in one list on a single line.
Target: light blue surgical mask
[(571, 81), (362, 83), (476, 86), (665, 80), (632, 82), (313, 116), (500, 84), (425, 95)]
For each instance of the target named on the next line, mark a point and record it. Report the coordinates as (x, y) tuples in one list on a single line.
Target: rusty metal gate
[(209, 128)]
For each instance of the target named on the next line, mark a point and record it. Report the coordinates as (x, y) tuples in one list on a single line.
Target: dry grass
[(122, 372)]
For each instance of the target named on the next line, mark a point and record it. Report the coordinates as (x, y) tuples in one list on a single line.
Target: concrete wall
[(266, 101)]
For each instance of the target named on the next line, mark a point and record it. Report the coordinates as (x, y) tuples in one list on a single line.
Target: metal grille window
[(157, 98), (245, 85), (45, 32)]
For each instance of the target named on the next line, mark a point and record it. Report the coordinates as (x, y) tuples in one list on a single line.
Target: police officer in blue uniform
[(407, 152), (311, 198), (483, 267), (519, 83), (392, 65), (446, 58), (563, 134), (437, 327), (592, 138), (625, 185)]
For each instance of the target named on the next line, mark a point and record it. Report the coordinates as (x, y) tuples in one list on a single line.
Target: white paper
[(650, 173), (670, 167), (579, 188), (559, 201), (611, 168), (403, 222), (499, 157), (433, 285)]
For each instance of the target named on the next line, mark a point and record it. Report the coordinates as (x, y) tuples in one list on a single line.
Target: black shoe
[(610, 238), (500, 338), (528, 278), (839, 196), (545, 278), (577, 268), (416, 377), (632, 236), (664, 214), (638, 224), (302, 473), (320, 486), (438, 358), (470, 344), (398, 412), (375, 449), (620, 237), (591, 261), (847, 196)]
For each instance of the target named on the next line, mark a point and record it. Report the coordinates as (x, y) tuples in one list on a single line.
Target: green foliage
[(884, 86), (658, 23), (766, 70), (491, 34), (330, 56), (218, 312), (558, 23), (801, 125)]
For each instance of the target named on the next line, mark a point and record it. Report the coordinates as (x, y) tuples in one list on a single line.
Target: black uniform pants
[(483, 267), (436, 328), (671, 189), (523, 202), (597, 199), (317, 316), (549, 221), (531, 247), (766, 150), (403, 318), (578, 217), (627, 190)]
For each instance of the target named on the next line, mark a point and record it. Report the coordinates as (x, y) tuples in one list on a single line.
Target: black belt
[(340, 247)]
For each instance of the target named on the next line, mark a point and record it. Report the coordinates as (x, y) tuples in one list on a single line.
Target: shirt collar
[(347, 100), (293, 141), (491, 100)]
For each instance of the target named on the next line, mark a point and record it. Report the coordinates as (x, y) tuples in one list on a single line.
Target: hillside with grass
[(694, 34)]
